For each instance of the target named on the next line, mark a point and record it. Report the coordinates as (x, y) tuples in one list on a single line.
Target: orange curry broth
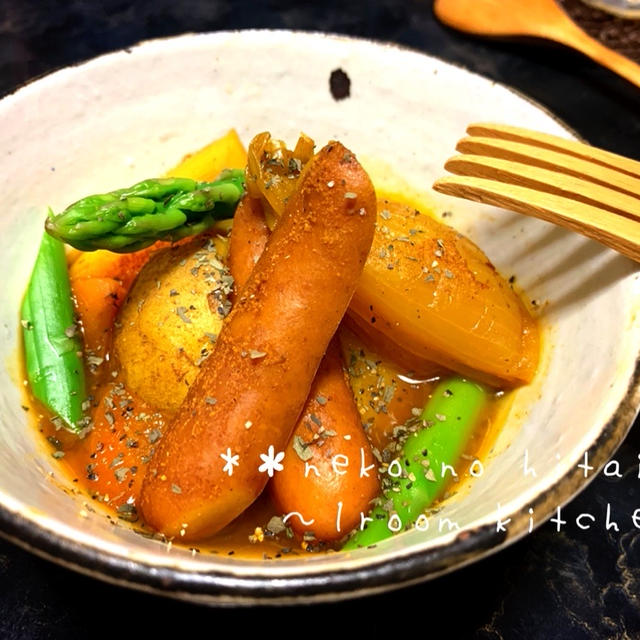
[(110, 462)]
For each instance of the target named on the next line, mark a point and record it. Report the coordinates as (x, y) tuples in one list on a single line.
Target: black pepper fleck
[(339, 84)]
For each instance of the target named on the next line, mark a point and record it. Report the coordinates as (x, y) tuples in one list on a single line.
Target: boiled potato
[(170, 321)]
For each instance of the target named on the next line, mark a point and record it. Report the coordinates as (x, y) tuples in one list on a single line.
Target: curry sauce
[(133, 393)]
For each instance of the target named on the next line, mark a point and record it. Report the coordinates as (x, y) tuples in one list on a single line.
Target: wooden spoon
[(533, 18)]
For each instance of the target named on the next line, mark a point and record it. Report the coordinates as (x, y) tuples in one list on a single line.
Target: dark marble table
[(568, 584)]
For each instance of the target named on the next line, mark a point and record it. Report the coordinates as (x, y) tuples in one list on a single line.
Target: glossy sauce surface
[(109, 463)]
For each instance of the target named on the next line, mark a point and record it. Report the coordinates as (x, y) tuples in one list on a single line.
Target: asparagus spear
[(51, 343), (450, 415), (162, 209)]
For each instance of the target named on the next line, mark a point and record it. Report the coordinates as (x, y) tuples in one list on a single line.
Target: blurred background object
[(621, 34), (535, 18), (624, 8)]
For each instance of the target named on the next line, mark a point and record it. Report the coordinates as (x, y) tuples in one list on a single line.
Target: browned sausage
[(329, 475), (249, 237)]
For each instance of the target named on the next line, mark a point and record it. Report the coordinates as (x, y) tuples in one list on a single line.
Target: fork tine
[(553, 160), (547, 181), (617, 232), (555, 143)]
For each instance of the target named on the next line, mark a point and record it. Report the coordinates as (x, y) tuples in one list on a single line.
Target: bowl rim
[(222, 588)]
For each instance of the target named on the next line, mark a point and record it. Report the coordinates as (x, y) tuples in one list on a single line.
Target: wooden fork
[(589, 190)]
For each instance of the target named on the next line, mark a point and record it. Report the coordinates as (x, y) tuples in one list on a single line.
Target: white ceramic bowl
[(130, 115)]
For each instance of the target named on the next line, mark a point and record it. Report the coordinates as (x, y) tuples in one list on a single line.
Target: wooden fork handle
[(549, 142), (616, 232)]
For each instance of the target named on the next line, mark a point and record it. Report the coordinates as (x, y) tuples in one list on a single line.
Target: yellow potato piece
[(170, 321), (206, 164)]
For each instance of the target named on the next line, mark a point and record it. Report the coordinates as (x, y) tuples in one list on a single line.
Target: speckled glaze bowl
[(103, 124)]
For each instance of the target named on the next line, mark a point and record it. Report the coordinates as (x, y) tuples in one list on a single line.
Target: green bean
[(415, 479), (51, 342), (130, 219)]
